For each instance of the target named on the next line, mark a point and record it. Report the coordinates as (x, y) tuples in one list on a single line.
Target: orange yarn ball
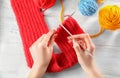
[(109, 17), (100, 1)]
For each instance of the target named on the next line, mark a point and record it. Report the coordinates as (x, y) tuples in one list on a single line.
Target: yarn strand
[(101, 29), (62, 11), (97, 34)]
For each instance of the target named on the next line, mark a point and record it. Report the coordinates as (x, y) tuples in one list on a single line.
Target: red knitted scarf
[(32, 25)]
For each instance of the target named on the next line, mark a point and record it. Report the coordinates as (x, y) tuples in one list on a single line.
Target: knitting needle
[(73, 13), (80, 44), (66, 30)]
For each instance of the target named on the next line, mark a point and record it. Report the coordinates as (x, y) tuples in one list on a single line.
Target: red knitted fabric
[(32, 25)]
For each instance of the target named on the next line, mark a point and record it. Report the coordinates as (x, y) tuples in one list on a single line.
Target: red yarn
[(44, 4), (32, 25)]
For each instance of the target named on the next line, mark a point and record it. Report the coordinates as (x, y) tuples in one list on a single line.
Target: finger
[(87, 39), (51, 42), (89, 43), (47, 37), (80, 36), (39, 40), (70, 40), (77, 48), (82, 44), (88, 53), (80, 39)]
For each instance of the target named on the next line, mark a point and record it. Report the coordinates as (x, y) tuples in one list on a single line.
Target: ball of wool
[(88, 7), (109, 17), (44, 4), (100, 1)]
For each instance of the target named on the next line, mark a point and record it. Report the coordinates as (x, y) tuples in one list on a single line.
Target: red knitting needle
[(89, 53)]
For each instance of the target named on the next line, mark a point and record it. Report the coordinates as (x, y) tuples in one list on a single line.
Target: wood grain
[(12, 60)]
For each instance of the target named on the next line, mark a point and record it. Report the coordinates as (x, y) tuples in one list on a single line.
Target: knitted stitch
[(32, 25)]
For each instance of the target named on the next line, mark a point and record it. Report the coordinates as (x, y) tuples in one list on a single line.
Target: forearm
[(37, 71), (93, 72)]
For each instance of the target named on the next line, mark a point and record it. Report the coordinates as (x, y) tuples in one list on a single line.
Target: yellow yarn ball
[(109, 17)]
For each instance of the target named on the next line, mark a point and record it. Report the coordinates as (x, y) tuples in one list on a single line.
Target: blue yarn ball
[(88, 7)]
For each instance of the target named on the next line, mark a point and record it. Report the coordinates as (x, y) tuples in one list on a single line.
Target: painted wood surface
[(12, 60)]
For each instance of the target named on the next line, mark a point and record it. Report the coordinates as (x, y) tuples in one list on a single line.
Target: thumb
[(51, 42)]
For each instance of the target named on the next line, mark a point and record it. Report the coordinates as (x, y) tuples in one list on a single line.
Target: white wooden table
[(12, 60)]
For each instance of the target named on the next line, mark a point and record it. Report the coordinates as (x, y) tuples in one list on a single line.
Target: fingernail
[(55, 35), (69, 37)]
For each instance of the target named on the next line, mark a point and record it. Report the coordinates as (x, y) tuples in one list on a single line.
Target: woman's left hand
[(41, 50)]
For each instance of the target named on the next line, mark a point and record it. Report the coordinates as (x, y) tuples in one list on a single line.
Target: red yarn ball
[(44, 4)]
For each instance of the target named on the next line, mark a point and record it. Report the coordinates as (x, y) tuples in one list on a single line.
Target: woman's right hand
[(84, 58), (85, 48)]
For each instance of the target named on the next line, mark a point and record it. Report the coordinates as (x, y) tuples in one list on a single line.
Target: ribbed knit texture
[(32, 25)]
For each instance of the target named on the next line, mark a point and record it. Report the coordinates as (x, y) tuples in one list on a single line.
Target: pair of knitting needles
[(88, 52)]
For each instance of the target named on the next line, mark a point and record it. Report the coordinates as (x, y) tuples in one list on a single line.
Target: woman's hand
[(85, 52), (84, 49), (41, 51)]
